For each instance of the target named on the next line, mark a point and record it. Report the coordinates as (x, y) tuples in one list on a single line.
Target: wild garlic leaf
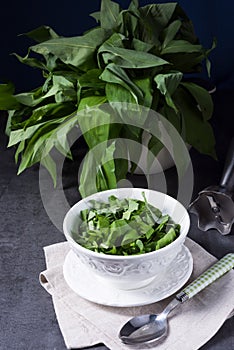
[(154, 18), (94, 127), (202, 97), (154, 146), (96, 15), (167, 84), (140, 245), (130, 237), (127, 24), (87, 183), (31, 61), (109, 14), (19, 135), (193, 120), (42, 140), (132, 206), (62, 89), (115, 40), (169, 237), (23, 134), (117, 93), (178, 46), (160, 13), (126, 58), (31, 99), (170, 32), (91, 101), (36, 148), (7, 98), (50, 165), (91, 79), (106, 173), (49, 112), (140, 45), (145, 85), (173, 117), (42, 33), (77, 51), (117, 75), (20, 149), (134, 5)]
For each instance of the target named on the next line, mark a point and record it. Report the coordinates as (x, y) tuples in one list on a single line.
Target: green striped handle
[(209, 276)]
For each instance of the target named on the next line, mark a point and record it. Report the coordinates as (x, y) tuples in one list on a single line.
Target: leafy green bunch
[(138, 55)]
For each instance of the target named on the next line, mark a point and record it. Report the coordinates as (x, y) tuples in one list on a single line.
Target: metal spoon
[(148, 328)]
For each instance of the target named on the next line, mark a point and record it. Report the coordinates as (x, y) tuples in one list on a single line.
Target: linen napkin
[(84, 323)]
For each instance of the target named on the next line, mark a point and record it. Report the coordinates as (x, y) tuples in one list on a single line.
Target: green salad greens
[(124, 227)]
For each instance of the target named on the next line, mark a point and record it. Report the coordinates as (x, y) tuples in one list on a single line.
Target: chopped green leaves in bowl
[(124, 239), (124, 227)]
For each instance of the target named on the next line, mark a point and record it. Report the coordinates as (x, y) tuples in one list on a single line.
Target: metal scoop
[(148, 328), (214, 205)]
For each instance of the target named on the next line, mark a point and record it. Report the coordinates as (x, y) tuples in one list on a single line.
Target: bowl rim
[(98, 255)]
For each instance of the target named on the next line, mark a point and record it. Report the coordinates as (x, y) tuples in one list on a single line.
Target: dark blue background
[(211, 18)]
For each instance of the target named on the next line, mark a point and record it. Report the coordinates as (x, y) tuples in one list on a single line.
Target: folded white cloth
[(191, 325)]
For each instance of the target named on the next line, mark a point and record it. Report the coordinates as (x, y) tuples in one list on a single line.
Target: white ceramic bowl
[(135, 271)]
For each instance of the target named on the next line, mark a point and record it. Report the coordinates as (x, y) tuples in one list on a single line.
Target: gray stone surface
[(27, 318)]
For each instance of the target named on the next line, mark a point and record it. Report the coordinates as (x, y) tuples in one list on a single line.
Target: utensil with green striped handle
[(209, 276), (148, 328)]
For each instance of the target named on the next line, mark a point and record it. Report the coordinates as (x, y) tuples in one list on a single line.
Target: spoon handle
[(209, 276)]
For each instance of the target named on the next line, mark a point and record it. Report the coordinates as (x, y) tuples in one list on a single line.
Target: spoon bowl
[(147, 328)]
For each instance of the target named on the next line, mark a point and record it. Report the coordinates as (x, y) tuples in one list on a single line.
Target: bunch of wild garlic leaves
[(138, 55)]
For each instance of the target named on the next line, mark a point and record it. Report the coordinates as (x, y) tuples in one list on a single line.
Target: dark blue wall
[(68, 18)]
